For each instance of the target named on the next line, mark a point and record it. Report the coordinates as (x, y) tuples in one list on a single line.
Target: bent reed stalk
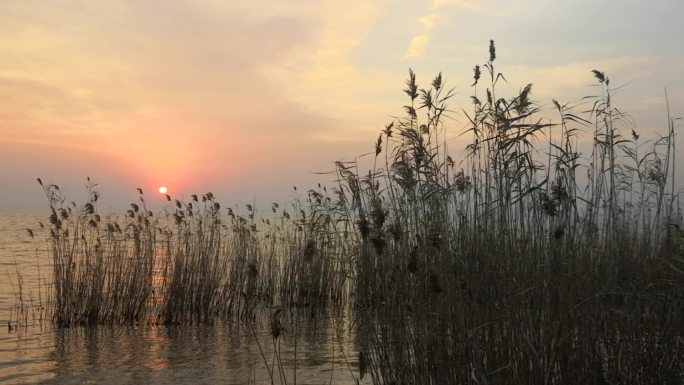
[(526, 262)]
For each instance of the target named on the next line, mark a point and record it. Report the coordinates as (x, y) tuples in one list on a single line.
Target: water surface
[(224, 353)]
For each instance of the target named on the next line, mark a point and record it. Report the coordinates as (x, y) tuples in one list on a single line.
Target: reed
[(503, 269), (192, 263), (540, 257)]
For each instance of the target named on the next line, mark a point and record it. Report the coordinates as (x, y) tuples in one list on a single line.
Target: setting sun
[(162, 190)]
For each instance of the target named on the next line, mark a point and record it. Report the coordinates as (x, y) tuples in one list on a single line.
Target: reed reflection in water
[(205, 354)]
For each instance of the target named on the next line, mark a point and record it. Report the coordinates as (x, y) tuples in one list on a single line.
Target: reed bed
[(192, 263), (503, 269), (552, 253)]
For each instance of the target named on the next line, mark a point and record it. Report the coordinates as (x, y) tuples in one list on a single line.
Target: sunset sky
[(248, 98)]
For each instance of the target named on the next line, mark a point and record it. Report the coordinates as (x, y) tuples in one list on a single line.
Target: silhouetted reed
[(502, 269), (192, 263), (541, 257)]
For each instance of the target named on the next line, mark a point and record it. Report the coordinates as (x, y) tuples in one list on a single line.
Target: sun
[(163, 190)]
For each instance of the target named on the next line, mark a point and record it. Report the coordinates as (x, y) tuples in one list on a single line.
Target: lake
[(323, 349)]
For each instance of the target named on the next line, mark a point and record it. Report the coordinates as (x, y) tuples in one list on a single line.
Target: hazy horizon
[(247, 100)]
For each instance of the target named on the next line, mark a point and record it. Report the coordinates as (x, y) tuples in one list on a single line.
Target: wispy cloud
[(219, 92), (323, 76), (416, 49), (167, 86), (429, 22)]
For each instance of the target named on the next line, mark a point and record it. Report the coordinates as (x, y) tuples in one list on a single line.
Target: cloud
[(430, 21), (416, 49), (161, 87), (263, 91), (323, 77)]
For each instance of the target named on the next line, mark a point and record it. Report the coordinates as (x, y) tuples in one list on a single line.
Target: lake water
[(323, 350)]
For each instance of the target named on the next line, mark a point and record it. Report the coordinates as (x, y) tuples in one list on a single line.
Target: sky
[(247, 99)]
